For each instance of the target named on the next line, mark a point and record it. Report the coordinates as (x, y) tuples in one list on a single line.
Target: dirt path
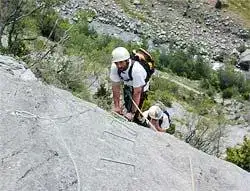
[(166, 76)]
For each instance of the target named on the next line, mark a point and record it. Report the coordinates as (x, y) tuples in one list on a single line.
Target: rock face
[(51, 140), (244, 60)]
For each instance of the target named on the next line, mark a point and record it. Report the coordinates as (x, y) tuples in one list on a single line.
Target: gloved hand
[(129, 116)]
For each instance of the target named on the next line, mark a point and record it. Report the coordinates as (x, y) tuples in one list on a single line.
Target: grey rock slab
[(245, 56), (16, 68), (51, 140), (234, 135), (114, 31)]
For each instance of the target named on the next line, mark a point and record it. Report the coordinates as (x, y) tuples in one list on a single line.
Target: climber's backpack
[(145, 59), (161, 120), (169, 120)]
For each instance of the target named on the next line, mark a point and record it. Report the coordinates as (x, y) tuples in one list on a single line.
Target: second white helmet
[(155, 112), (120, 54)]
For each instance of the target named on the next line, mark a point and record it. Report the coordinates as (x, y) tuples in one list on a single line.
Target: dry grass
[(127, 8), (241, 8)]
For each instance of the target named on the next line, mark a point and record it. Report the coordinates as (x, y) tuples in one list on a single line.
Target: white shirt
[(139, 75), (165, 121)]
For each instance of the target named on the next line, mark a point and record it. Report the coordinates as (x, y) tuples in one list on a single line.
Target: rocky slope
[(165, 22), (51, 140)]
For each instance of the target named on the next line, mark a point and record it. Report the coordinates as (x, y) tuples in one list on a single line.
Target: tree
[(187, 63), (240, 155), (103, 97), (13, 13), (11, 20)]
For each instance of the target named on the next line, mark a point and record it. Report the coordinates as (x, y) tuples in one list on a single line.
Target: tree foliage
[(13, 22), (185, 63), (51, 25), (190, 64), (103, 97), (232, 83), (240, 155)]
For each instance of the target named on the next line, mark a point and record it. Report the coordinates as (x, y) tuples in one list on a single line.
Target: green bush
[(16, 42), (188, 64), (51, 25), (155, 96), (18, 48), (228, 78), (171, 129), (86, 42), (209, 89), (232, 83), (66, 75), (181, 64), (244, 86), (103, 97), (163, 84), (165, 91), (213, 79), (232, 60), (160, 90), (246, 96), (240, 155), (201, 68), (227, 93), (165, 98), (164, 61), (204, 106)]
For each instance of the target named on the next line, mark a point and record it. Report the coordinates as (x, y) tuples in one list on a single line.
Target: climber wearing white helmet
[(133, 75), (157, 117)]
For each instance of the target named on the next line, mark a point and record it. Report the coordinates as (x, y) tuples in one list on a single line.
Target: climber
[(135, 80), (159, 118)]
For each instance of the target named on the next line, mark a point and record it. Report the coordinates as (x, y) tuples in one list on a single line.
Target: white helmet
[(120, 54), (155, 112)]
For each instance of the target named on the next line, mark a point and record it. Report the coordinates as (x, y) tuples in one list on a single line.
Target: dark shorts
[(127, 95)]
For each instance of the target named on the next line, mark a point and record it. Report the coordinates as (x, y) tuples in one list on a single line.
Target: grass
[(192, 84), (241, 7), (166, 91), (133, 13)]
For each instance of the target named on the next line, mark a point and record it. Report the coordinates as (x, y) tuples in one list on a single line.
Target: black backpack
[(148, 64), (169, 120), (161, 120)]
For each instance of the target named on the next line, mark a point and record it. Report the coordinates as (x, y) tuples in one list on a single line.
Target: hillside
[(165, 22), (51, 140)]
